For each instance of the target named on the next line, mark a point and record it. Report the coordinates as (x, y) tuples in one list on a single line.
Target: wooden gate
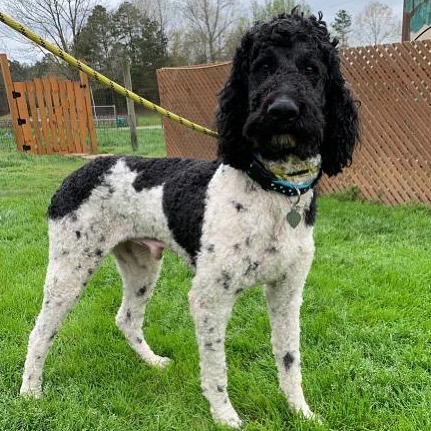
[(50, 115)]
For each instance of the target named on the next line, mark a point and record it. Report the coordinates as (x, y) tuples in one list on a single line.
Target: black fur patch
[(155, 172), (252, 266), (225, 280), (288, 360), (310, 213), (184, 196), (141, 291), (77, 187), (185, 185), (239, 206)]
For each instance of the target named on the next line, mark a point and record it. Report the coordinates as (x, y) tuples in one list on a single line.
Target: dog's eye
[(263, 69), (308, 70)]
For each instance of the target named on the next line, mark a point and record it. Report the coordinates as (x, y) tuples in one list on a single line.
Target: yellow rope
[(99, 77)]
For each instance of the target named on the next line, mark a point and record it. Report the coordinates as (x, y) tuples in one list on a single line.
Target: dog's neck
[(270, 181)]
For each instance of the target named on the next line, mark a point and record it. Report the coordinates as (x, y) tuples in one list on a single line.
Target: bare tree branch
[(377, 23), (209, 22), (59, 20)]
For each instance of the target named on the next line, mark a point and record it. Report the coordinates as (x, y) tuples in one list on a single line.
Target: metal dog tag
[(293, 218)]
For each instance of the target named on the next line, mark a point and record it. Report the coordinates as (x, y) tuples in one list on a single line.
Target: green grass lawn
[(366, 328), (117, 141), (148, 119)]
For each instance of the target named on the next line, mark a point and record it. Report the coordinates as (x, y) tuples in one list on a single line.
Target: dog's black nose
[(283, 109)]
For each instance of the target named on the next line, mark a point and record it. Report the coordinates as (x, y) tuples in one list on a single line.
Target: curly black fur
[(290, 58)]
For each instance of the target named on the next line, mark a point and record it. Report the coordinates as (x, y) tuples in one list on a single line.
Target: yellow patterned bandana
[(294, 169)]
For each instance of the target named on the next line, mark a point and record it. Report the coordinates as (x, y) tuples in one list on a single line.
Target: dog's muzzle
[(283, 141)]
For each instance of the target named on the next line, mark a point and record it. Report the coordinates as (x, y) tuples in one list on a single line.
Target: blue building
[(417, 20)]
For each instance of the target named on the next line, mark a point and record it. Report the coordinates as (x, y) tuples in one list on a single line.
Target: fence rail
[(393, 82)]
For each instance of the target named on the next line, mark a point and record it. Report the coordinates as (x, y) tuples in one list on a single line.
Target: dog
[(285, 117)]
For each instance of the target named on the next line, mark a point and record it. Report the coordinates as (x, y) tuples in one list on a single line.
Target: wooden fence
[(392, 164), (50, 115)]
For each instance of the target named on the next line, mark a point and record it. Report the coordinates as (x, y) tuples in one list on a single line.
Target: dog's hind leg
[(67, 275), (211, 303), (139, 266)]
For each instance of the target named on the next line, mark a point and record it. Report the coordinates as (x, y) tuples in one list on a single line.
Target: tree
[(342, 26), (179, 55), (161, 11), (95, 41), (271, 8), (377, 23), (128, 23), (144, 43), (152, 55), (234, 37), (110, 37), (59, 20), (208, 23), (260, 12)]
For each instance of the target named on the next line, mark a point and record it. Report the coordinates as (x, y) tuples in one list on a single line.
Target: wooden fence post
[(130, 105), (10, 92), (89, 111)]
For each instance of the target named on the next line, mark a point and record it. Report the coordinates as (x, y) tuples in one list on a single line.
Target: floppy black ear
[(342, 124), (233, 147)]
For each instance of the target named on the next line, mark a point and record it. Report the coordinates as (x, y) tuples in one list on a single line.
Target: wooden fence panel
[(392, 164), (42, 116), (50, 115), (52, 121), (194, 100), (66, 114), (393, 84), (23, 116), (58, 115), (34, 118), (7, 79), (73, 117)]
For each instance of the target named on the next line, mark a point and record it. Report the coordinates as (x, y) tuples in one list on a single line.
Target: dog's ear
[(233, 147), (342, 124)]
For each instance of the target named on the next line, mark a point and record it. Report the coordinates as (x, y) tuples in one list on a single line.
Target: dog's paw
[(306, 412), (159, 361), (28, 391), (230, 419), (163, 362)]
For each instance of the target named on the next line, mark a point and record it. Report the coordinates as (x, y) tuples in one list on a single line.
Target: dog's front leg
[(284, 302), (211, 304)]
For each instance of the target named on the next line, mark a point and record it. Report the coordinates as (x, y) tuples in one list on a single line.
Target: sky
[(331, 7), (15, 50)]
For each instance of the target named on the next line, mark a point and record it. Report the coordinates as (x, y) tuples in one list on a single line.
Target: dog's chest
[(246, 229)]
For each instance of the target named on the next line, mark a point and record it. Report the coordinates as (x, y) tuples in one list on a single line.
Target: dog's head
[(286, 96)]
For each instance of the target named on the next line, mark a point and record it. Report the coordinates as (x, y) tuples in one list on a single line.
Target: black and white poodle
[(285, 116)]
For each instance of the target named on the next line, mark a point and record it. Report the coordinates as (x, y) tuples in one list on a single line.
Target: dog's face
[(286, 97), (286, 100)]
